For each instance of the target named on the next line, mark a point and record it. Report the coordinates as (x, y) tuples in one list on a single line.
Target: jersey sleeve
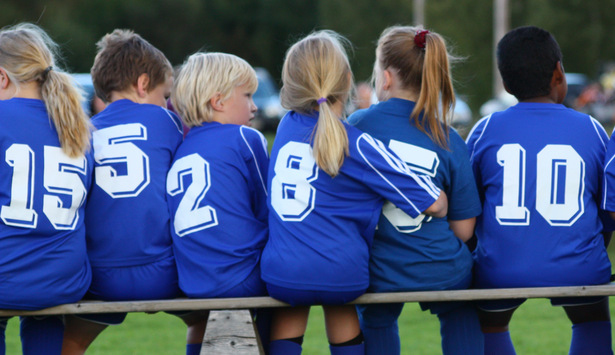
[(472, 141), (463, 199), (390, 177), (257, 161), (608, 188)]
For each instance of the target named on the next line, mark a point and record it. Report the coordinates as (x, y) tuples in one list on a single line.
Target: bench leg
[(231, 332)]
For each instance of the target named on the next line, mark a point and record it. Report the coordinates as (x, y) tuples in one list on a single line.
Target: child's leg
[(196, 322), (591, 328), (343, 330), (41, 335), (287, 329), (81, 332), (3, 322), (494, 325), (459, 328), (379, 327)]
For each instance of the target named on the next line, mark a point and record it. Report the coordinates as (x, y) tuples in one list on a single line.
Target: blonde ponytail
[(330, 141), (27, 54), (317, 68), (63, 101)]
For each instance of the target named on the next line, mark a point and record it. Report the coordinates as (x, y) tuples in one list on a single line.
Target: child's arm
[(438, 209), (463, 228)]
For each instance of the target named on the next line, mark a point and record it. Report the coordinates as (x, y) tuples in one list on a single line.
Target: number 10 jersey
[(538, 169)]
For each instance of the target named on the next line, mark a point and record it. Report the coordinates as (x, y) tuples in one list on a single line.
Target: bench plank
[(267, 302), (231, 332)]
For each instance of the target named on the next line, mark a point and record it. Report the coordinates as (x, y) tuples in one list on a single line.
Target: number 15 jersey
[(538, 169)]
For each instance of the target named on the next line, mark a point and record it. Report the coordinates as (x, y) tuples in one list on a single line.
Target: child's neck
[(398, 93), (542, 100)]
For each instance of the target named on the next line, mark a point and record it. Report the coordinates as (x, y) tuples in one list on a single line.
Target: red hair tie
[(419, 38)]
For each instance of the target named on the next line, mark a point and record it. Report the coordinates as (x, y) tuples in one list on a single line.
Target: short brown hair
[(122, 57)]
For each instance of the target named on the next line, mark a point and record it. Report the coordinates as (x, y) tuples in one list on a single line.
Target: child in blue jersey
[(539, 166), (44, 179), (216, 186), (127, 218), (327, 183), (425, 253)]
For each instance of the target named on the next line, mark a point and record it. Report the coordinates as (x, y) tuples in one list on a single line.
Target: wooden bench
[(230, 328)]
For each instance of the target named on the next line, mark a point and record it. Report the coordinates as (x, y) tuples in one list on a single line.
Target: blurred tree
[(260, 31)]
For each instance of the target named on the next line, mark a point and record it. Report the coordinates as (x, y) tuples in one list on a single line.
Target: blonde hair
[(27, 54), (426, 70), (122, 57), (317, 67), (201, 77)]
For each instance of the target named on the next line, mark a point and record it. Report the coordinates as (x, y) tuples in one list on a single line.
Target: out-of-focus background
[(260, 31)]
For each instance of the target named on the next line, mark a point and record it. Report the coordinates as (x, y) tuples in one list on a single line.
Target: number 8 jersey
[(321, 228), (538, 168)]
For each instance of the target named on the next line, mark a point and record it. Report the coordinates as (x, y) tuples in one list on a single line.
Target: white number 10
[(560, 173)]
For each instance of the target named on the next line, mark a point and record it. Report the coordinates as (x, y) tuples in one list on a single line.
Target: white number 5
[(112, 151)]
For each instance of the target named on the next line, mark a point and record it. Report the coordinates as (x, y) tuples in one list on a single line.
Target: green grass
[(536, 328)]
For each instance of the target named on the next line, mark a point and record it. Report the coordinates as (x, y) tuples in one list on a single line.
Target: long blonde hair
[(317, 68), (426, 70), (201, 77), (27, 54)]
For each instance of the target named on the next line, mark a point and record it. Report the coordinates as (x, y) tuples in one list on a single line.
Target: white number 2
[(560, 172), (422, 161), (60, 178), (292, 196), (190, 217)]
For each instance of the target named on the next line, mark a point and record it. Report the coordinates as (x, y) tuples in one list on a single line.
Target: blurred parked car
[(576, 84), (462, 114), (267, 99), (92, 104)]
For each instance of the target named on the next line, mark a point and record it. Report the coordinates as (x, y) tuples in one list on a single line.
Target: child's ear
[(216, 102), (388, 80), (4, 79), (558, 74), (142, 85)]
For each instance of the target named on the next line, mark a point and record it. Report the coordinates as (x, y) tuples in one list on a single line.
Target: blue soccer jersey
[(539, 169), (43, 261), (127, 217), (217, 198), (420, 253), (321, 227)]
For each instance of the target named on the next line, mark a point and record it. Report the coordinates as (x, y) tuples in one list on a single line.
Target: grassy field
[(537, 328)]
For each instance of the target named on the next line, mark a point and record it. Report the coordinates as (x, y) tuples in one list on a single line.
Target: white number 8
[(292, 196)]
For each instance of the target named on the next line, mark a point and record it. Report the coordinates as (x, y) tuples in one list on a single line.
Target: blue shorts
[(153, 281), (508, 304), (252, 286), (307, 298)]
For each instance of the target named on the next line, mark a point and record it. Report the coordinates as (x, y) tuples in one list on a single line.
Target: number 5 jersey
[(321, 228), (538, 167)]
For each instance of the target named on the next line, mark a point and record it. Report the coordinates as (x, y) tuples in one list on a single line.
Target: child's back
[(127, 216), (539, 166)]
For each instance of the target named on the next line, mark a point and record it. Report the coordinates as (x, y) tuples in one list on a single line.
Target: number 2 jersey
[(218, 201), (321, 228), (127, 217), (420, 254), (538, 168), (43, 260)]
